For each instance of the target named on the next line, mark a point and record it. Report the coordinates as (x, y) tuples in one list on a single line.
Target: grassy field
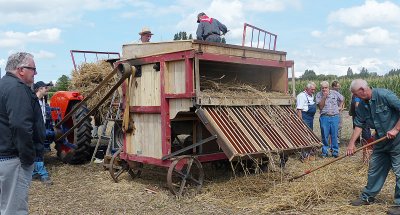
[(88, 189)]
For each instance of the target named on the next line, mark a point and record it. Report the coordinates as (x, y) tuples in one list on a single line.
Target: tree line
[(364, 73)]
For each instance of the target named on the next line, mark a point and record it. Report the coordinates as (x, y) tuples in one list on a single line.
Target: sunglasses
[(28, 67)]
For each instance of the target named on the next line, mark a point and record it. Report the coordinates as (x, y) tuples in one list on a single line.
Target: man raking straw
[(381, 112)]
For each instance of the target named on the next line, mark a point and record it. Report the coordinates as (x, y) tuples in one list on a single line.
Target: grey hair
[(357, 84), (16, 60), (324, 84), (310, 84)]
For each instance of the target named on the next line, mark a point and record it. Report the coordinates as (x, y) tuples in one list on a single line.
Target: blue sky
[(326, 36)]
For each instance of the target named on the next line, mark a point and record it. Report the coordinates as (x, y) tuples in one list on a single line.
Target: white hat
[(145, 30)]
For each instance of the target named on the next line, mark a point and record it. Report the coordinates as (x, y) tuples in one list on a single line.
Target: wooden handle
[(338, 158)]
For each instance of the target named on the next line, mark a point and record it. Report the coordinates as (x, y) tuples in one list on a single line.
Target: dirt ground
[(88, 189)]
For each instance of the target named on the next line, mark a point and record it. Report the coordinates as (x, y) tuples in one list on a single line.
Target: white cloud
[(316, 33), (50, 12), (43, 55), (369, 14), (374, 35), (270, 5), (10, 39)]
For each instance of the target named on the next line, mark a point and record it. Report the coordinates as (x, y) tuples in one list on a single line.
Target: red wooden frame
[(188, 56)]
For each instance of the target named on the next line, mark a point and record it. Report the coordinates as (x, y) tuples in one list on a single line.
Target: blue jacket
[(381, 113), (21, 125), (210, 27)]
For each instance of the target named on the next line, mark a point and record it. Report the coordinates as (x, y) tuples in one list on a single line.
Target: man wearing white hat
[(145, 35)]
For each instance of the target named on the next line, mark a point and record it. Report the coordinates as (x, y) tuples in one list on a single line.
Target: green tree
[(190, 37), (223, 40), (350, 72), (62, 83), (182, 35), (364, 73), (309, 75)]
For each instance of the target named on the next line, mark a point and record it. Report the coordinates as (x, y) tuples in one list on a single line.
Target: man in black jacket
[(21, 127)]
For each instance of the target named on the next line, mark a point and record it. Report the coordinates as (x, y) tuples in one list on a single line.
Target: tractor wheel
[(81, 138)]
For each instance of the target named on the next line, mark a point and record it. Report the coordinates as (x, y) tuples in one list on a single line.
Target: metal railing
[(97, 53), (263, 33)]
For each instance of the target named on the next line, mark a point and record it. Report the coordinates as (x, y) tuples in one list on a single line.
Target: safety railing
[(96, 53), (268, 38)]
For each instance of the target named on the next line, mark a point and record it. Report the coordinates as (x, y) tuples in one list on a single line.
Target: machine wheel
[(81, 137), (135, 169), (185, 173), (118, 166)]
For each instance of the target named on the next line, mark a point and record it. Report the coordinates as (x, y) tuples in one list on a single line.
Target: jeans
[(329, 127), (40, 169), (308, 119), (382, 160), (15, 180)]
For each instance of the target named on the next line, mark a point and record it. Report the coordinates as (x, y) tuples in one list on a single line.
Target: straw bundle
[(86, 78), (234, 89), (326, 191)]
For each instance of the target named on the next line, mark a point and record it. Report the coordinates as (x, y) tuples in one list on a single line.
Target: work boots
[(360, 202)]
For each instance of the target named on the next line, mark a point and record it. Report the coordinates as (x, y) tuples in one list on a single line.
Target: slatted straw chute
[(245, 130)]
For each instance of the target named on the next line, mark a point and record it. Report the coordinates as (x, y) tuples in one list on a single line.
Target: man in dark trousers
[(40, 171), (20, 128), (380, 111), (209, 29)]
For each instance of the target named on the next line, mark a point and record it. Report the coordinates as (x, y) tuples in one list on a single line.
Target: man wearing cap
[(39, 171), (209, 29), (20, 126), (145, 35)]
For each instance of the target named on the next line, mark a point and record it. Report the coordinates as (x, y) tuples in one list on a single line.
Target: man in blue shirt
[(329, 103), (380, 111)]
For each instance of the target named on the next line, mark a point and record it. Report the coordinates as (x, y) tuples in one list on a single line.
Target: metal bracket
[(213, 137), (138, 71), (203, 118)]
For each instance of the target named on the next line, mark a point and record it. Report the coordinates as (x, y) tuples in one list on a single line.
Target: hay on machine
[(86, 78)]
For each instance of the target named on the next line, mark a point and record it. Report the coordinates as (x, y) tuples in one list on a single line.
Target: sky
[(326, 36)]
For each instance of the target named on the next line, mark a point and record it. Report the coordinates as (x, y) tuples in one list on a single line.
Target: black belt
[(330, 115)]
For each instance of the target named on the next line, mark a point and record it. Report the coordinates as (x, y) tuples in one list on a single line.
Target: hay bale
[(86, 78)]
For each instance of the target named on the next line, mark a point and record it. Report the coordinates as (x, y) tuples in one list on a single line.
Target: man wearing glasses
[(21, 128), (379, 111)]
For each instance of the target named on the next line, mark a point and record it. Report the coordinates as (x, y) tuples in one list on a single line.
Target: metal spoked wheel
[(117, 166), (185, 173), (135, 169)]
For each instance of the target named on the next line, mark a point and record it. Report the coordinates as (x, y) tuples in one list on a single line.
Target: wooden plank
[(131, 51), (221, 140), (135, 50), (146, 89), (229, 129), (147, 138), (197, 78), (242, 128), (280, 79), (268, 144), (204, 100), (177, 105), (278, 130)]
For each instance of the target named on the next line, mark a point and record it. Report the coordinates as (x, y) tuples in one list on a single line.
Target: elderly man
[(336, 87), (209, 29), (306, 106), (20, 127), (329, 103), (145, 35), (381, 112)]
